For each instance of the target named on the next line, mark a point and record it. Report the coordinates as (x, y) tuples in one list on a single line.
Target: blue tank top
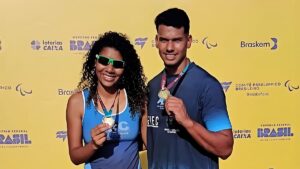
[(120, 150)]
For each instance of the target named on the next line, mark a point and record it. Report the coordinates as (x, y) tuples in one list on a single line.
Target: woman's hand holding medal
[(98, 135)]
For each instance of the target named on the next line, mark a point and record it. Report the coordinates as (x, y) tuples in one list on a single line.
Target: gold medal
[(109, 120), (164, 93)]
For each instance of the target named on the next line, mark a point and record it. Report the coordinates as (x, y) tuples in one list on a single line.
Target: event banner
[(251, 47)]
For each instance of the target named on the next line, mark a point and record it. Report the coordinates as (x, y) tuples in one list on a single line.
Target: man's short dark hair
[(173, 17)]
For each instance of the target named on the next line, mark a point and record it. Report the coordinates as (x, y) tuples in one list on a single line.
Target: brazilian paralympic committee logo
[(291, 87), (23, 91), (61, 135), (226, 85), (261, 44), (257, 88), (208, 44), (14, 138), (47, 45), (271, 132), (141, 41)]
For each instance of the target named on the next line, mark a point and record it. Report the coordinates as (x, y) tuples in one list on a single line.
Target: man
[(188, 124)]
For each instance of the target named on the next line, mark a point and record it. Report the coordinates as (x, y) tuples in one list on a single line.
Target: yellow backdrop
[(250, 46)]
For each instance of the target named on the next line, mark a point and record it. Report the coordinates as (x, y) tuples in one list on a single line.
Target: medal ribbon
[(164, 78), (107, 113), (164, 81)]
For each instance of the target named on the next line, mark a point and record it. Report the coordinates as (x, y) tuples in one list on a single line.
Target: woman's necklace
[(108, 113)]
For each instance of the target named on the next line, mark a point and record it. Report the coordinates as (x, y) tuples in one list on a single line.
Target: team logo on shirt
[(118, 131), (153, 121)]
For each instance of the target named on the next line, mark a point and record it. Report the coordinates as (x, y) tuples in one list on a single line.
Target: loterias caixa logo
[(242, 134), (14, 138), (47, 45)]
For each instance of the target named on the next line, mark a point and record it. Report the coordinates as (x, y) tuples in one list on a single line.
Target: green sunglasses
[(106, 61)]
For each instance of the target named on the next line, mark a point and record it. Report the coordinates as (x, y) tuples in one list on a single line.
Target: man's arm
[(219, 143)]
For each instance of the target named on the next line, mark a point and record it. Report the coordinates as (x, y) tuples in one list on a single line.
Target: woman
[(106, 113)]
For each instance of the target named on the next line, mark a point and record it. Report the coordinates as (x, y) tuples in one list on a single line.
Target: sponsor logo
[(22, 91), (35, 45), (61, 135), (14, 139), (271, 132), (226, 85), (82, 43), (141, 41), (256, 44), (291, 87), (5, 87), (242, 134), (63, 92), (208, 44), (47, 45), (256, 88)]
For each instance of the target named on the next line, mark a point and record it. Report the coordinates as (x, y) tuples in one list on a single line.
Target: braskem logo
[(260, 44), (65, 92)]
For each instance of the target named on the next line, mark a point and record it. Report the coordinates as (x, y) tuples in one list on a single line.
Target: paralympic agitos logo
[(23, 91), (291, 86)]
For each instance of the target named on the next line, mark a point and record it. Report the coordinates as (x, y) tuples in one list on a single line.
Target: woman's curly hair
[(133, 78)]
